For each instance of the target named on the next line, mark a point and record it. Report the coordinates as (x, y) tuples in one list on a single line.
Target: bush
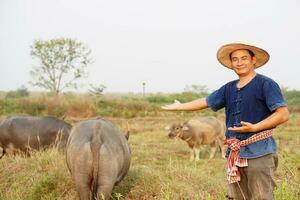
[(292, 96), (21, 92), (31, 107), (159, 99), (8, 106), (182, 97), (125, 107)]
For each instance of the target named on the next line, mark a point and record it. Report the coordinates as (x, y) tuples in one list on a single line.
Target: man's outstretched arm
[(198, 104)]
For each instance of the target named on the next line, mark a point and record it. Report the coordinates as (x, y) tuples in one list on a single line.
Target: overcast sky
[(166, 43)]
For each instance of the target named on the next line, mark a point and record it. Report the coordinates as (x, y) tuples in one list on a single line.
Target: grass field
[(160, 167)]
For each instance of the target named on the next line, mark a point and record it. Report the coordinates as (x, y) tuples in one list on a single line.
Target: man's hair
[(250, 52)]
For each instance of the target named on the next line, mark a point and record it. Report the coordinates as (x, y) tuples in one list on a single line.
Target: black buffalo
[(22, 133)]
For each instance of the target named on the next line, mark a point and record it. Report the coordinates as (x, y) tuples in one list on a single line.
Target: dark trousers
[(257, 179)]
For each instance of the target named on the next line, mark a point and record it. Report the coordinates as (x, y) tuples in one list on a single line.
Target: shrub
[(8, 106), (182, 97), (21, 92), (31, 107)]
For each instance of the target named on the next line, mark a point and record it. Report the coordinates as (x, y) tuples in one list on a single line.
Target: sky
[(168, 44)]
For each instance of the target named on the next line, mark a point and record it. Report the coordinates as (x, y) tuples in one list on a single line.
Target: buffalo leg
[(213, 148), (192, 155), (197, 153), (83, 187), (104, 191), (82, 172), (222, 147), (212, 152)]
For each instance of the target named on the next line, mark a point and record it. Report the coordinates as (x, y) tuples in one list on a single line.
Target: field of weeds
[(160, 167)]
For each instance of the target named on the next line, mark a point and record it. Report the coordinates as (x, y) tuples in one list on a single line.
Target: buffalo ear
[(167, 128), (127, 131), (63, 117), (185, 128)]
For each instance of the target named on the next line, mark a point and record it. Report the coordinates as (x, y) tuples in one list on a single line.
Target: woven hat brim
[(223, 54)]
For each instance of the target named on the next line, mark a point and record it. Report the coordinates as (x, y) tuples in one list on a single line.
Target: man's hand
[(246, 127), (174, 106), (197, 104)]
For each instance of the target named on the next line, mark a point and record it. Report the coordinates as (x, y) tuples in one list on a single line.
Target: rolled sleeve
[(216, 100), (273, 95)]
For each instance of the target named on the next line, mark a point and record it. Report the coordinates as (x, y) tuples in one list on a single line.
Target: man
[(254, 106)]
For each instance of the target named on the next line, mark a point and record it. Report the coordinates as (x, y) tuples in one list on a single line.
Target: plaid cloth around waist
[(234, 160)]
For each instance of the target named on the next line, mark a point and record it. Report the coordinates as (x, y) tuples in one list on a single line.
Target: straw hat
[(224, 52)]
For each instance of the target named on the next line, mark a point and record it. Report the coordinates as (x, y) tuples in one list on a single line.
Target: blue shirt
[(252, 103)]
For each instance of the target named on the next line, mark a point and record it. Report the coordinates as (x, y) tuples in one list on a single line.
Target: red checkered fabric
[(234, 161)]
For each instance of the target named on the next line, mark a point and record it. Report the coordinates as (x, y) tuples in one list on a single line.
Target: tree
[(96, 91), (198, 89), (61, 63)]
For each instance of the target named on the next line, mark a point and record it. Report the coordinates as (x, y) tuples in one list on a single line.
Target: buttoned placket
[(237, 110)]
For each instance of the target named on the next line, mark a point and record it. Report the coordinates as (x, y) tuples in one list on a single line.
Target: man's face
[(242, 62)]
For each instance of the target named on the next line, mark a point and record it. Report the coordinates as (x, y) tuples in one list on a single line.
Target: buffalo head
[(176, 130)]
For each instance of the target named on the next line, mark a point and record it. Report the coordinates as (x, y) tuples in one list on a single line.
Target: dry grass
[(160, 168)]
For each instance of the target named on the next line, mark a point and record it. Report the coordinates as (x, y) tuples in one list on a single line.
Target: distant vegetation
[(169, 98), (292, 97), (97, 104), (20, 92)]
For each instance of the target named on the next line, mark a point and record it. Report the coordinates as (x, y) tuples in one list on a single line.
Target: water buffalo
[(98, 157), (22, 133), (199, 131)]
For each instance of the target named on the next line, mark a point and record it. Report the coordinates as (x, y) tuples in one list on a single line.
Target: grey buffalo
[(22, 133), (200, 131), (98, 157)]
